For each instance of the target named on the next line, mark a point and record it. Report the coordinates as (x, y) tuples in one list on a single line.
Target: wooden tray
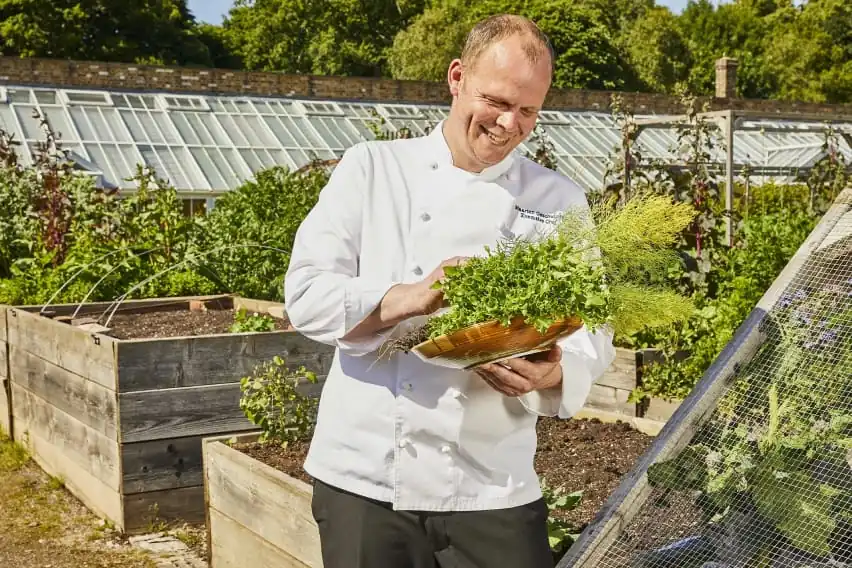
[(490, 342)]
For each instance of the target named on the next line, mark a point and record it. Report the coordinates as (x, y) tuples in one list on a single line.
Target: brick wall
[(69, 74)]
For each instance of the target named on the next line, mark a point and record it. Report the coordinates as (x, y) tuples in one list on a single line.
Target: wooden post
[(626, 171), (729, 179), (747, 194)]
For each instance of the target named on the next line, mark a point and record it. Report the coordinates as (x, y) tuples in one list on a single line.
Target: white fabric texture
[(419, 436)]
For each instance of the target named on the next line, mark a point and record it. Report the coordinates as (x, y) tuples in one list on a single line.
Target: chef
[(417, 465)]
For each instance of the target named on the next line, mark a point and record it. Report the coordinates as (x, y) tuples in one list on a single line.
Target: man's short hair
[(501, 26)]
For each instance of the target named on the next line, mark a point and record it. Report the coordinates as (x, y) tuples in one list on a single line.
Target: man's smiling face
[(496, 102)]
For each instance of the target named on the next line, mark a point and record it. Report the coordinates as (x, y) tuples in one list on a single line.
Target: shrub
[(252, 228), (271, 400), (742, 276)]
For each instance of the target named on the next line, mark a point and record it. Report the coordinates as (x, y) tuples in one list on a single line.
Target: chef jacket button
[(434, 165), (407, 386), (445, 449), (417, 270), (425, 217)]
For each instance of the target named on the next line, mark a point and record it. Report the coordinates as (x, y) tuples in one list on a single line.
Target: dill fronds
[(641, 234), (637, 307)]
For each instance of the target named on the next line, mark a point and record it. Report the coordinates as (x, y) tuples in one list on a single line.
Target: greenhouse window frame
[(65, 96)]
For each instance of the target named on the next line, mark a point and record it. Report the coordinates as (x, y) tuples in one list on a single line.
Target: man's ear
[(454, 76)]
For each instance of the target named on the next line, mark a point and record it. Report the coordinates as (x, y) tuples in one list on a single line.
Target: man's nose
[(508, 120)]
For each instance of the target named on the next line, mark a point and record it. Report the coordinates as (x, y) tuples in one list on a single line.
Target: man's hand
[(426, 299), (514, 377), (404, 301)]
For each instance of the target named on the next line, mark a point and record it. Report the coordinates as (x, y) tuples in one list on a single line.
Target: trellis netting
[(754, 470)]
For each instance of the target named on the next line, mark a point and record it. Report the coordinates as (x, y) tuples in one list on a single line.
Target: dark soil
[(665, 517), (586, 455), (289, 460), (175, 323)]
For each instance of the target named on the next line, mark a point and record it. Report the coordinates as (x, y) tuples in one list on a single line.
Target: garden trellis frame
[(832, 235), (731, 120)]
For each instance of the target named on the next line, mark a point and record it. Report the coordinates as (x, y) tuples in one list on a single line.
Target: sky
[(212, 11)]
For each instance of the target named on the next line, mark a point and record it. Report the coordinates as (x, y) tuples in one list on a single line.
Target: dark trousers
[(356, 532)]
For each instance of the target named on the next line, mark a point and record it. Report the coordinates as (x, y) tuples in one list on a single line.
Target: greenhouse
[(207, 144)]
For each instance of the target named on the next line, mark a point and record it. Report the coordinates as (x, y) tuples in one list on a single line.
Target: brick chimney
[(726, 78)]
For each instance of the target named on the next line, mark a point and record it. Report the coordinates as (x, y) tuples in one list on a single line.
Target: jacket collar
[(440, 156)]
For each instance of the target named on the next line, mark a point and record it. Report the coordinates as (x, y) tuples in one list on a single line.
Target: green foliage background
[(262, 214), (142, 244), (786, 50)]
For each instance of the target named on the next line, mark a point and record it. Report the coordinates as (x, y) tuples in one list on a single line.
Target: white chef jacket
[(397, 429)]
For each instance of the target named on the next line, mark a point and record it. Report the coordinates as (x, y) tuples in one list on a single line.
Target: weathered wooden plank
[(4, 360), (179, 413), (659, 409), (275, 309), (84, 446), (3, 332), (209, 360), (234, 546), (86, 401), (6, 407), (91, 356), (267, 502), (644, 425), (162, 464), (610, 400), (60, 461), (136, 306), (6, 423), (621, 374), (142, 510)]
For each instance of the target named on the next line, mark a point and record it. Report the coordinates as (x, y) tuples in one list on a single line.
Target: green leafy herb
[(560, 534), (251, 323), (271, 399)]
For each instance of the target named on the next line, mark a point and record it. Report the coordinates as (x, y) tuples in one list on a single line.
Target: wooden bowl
[(490, 342)]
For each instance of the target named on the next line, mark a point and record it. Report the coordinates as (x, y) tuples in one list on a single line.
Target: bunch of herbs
[(605, 265)]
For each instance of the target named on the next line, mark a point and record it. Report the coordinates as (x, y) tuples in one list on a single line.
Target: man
[(417, 465)]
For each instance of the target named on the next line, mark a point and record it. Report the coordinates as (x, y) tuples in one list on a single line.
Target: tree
[(619, 15), (216, 40), (586, 54), (810, 51), (425, 48), (657, 51), (328, 37), (734, 30), (140, 31)]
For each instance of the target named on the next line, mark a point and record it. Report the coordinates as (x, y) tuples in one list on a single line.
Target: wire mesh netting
[(754, 470)]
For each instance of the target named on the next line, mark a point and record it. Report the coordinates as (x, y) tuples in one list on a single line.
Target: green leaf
[(687, 471), (797, 505)]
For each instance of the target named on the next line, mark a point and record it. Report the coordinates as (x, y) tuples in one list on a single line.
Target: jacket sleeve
[(586, 356), (324, 294)]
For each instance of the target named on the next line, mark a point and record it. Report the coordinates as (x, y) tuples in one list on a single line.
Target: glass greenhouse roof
[(208, 144)]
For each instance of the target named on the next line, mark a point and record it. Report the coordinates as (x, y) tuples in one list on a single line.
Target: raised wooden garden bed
[(5, 383), (120, 419), (608, 396), (259, 497), (257, 515)]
